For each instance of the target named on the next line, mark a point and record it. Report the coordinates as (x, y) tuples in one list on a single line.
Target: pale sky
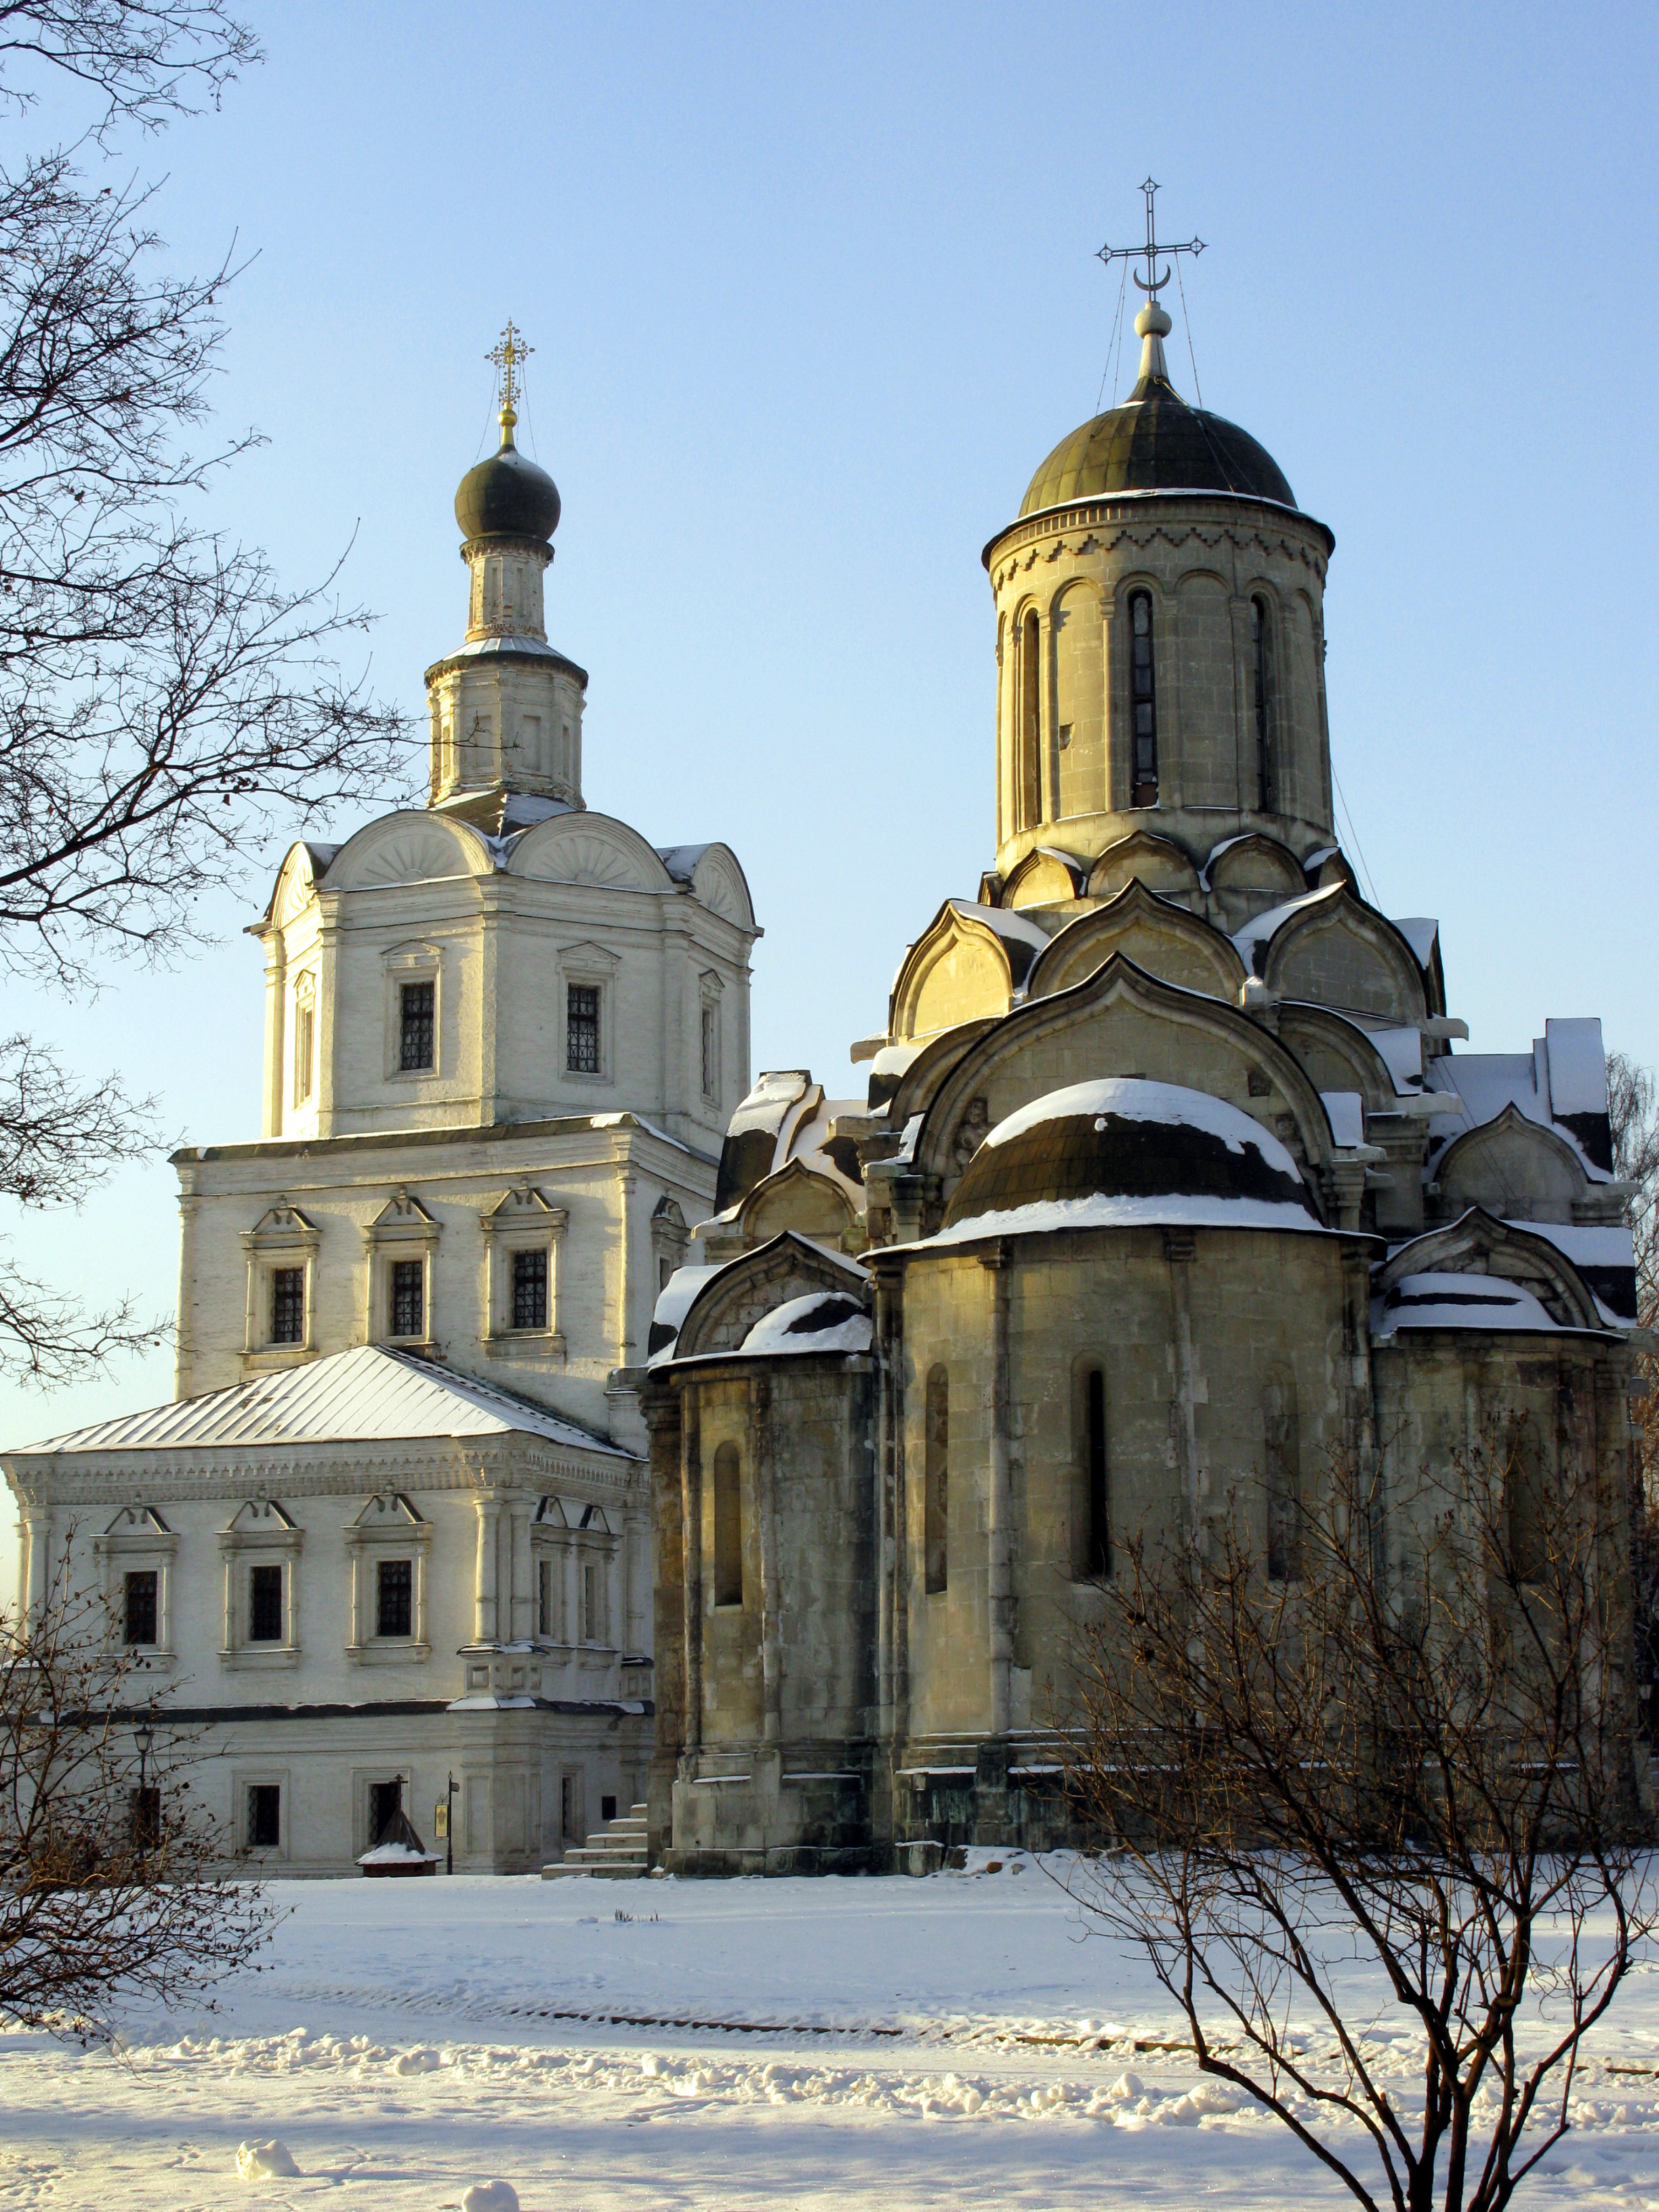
[(812, 293)]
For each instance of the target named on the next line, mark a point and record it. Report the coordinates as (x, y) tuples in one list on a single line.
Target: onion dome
[(1120, 1150), (1156, 442), (507, 495)]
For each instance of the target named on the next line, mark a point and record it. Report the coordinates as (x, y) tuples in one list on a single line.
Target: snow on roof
[(371, 1393), (1110, 1210), (681, 860), (1450, 1301), (1578, 1067), (1403, 1049), (523, 809), (1264, 927), (1347, 1110), (895, 1059), (1487, 1082), (674, 1303), (769, 1100), (1132, 1098), (1007, 921), (1419, 931), (823, 1321), (1604, 1255)]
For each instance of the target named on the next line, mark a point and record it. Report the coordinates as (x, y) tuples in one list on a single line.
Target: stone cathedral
[(1170, 1176)]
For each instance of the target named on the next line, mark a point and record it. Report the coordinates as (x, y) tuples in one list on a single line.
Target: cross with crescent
[(1151, 284), (508, 356)]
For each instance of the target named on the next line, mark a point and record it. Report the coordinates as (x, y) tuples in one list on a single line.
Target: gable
[(1514, 1168), (589, 849), (1333, 951), (1045, 878), (728, 1307), (1164, 940), (1338, 1054), (959, 970), (1157, 862), (796, 1198), (408, 848), (1477, 1244)]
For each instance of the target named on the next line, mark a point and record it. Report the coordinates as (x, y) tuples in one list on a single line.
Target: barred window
[(582, 1029), (287, 1305), (1143, 703), (265, 1604), (417, 1005), (394, 1598), (408, 1297), (264, 1816), (530, 1290), (143, 1588)]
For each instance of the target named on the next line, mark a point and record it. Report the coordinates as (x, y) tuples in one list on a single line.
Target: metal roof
[(371, 1393)]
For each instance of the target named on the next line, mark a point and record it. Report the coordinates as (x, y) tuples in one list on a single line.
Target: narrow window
[(305, 1039), (570, 1806), (394, 1597), (1523, 1483), (711, 1073), (287, 1305), (417, 1005), (264, 1816), (142, 1590), (581, 1032), (1100, 1523), (386, 1801), (265, 1604), (1261, 679), (530, 1290), (144, 1818), (1143, 703), (592, 1602), (1031, 722), (936, 1481), (728, 1528), (408, 1297), (1282, 1442), (546, 1598)]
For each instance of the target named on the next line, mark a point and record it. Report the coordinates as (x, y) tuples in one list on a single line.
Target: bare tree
[(107, 1883), (1376, 1829), (1633, 1111), (165, 703)]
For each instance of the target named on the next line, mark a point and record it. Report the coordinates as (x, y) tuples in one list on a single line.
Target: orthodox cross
[(1151, 284), (511, 352)]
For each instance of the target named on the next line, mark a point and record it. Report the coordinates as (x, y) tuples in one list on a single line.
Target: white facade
[(503, 1037)]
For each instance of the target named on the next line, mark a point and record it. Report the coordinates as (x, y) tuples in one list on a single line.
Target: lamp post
[(449, 1827), (144, 1736)]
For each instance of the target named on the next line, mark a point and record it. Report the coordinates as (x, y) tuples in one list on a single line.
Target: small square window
[(408, 1297), (582, 1029), (530, 1290), (287, 1305), (265, 1604), (264, 1816), (143, 1590), (394, 1596), (417, 1008)]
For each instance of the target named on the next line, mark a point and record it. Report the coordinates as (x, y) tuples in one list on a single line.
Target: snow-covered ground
[(955, 2041)]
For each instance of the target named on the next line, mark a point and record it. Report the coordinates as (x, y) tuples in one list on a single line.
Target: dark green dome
[(508, 496), (1156, 442)]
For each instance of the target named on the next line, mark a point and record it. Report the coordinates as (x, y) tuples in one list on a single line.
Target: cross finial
[(1151, 284), (509, 353)]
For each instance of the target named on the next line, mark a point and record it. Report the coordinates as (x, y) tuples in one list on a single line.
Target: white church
[(393, 1533)]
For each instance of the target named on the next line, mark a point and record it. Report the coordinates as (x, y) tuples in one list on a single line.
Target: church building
[(1171, 1179), (395, 1528)]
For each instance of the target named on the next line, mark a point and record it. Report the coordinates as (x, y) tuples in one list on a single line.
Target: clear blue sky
[(812, 293)]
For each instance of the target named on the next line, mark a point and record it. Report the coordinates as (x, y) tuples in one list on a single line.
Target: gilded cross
[(1151, 284), (509, 354)]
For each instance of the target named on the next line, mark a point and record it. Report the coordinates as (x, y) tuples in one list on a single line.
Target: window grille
[(417, 1005), (408, 1297), (1261, 670), (287, 1305), (265, 1604), (143, 1590), (264, 1816), (530, 1290), (394, 1594), (582, 1029), (1143, 703)]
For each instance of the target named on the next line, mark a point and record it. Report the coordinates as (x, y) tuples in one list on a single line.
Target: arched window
[(1097, 1549), (936, 1486), (1030, 721), (728, 1527), (1261, 680), (1143, 703), (1282, 1442)]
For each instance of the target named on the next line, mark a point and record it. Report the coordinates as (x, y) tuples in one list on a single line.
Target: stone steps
[(616, 1852)]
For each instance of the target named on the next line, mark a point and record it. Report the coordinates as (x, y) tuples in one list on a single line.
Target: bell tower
[(506, 708)]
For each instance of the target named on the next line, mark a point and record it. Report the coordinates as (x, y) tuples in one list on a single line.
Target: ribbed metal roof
[(370, 1395)]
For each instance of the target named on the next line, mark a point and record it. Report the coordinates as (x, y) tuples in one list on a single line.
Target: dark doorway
[(384, 1802)]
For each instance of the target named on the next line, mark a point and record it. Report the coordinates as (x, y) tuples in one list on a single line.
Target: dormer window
[(1261, 680), (417, 1026), (1143, 703)]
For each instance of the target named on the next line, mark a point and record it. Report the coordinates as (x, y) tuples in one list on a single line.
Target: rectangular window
[(592, 1602), (936, 1483), (728, 1527), (265, 1604), (143, 1589), (1100, 1520), (530, 1290), (547, 1608), (711, 1070), (305, 1033), (394, 1597), (408, 1297), (287, 1305), (264, 1816), (581, 1033), (416, 1038)]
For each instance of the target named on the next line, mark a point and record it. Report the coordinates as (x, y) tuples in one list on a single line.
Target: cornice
[(1044, 537)]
